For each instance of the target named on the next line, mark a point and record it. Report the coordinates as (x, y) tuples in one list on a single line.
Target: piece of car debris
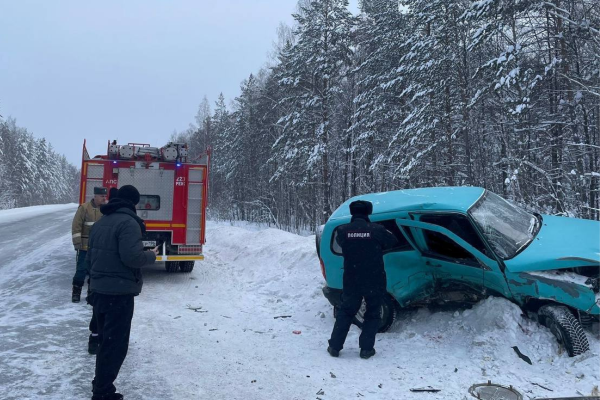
[(332, 375), (320, 392), (522, 356), (282, 316), (195, 309), (296, 332), (427, 389), (543, 387)]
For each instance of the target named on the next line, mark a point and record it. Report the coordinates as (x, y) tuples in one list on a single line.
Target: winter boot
[(112, 396), (76, 298), (93, 344), (333, 352), (367, 353)]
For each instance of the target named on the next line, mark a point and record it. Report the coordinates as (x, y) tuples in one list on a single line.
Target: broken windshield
[(507, 228)]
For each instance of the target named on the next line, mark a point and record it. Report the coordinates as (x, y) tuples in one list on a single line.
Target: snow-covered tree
[(314, 67)]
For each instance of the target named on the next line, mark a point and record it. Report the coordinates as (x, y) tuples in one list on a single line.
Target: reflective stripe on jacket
[(87, 214)]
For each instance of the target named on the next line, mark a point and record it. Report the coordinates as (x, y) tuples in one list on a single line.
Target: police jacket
[(116, 252), (363, 244), (87, 214)]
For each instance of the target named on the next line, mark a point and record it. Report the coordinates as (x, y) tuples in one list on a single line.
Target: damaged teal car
[(462, 244)]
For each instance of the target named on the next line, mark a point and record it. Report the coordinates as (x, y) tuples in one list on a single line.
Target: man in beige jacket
[(87, 214)]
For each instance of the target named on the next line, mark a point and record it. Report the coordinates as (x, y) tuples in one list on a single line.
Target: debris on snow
[(195, 309), (521, 355), (427, 389), (543, 387)]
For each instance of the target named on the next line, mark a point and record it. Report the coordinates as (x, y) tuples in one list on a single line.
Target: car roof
[(450, 198)]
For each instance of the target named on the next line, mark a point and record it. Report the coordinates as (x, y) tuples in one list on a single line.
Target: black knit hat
[(129, 192), (112, 193), (361, 207)]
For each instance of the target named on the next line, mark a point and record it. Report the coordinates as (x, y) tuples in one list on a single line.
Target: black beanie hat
[(361, 207), (112, 193), (129, 192)]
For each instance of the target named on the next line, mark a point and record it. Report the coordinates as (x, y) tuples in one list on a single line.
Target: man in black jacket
[(115, 257), (362, 244), (94, 339)]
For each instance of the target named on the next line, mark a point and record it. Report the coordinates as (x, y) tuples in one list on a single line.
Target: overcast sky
[(130, 70)]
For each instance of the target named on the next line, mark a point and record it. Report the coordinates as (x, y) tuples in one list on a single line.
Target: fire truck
[(173, 195)]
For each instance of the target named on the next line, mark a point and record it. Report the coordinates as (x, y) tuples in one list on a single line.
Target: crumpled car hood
[(561, 243)]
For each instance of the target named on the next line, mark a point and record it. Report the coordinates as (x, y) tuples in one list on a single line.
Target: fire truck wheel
[(186, 266), (172, 266)]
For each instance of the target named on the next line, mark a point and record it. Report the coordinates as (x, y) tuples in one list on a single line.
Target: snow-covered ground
[(213, 334), (21, 213)]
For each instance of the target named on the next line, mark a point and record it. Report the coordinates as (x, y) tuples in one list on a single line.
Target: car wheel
[(388, 314), (186, 266), (567, 329), (172, 266)]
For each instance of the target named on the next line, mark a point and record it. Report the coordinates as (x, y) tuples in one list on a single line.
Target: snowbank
[(18, 214)]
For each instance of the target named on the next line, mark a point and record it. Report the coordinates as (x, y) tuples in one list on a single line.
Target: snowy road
[(233, 347)]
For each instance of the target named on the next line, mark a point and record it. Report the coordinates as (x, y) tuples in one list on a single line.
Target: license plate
[(149, 243)]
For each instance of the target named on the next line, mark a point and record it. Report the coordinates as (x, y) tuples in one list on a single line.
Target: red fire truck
[(173, 195)]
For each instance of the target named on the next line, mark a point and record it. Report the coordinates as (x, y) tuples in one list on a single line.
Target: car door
[(408, 280), (453, 260)]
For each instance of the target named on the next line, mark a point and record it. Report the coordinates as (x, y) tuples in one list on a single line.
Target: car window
[(507, 228), (390, 225), (335, 247), (444, 246), (461, 227), (148, 202)]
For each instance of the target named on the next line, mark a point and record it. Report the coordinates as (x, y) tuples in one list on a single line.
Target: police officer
[(87, 214), (362, 244)]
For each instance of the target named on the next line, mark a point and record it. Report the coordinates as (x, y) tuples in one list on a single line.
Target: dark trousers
[(113, 318), (351, 303), (93, 321), (80, 271), (90, 300)]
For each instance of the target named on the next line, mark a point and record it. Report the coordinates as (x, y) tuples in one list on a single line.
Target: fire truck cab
[(173, 195)]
